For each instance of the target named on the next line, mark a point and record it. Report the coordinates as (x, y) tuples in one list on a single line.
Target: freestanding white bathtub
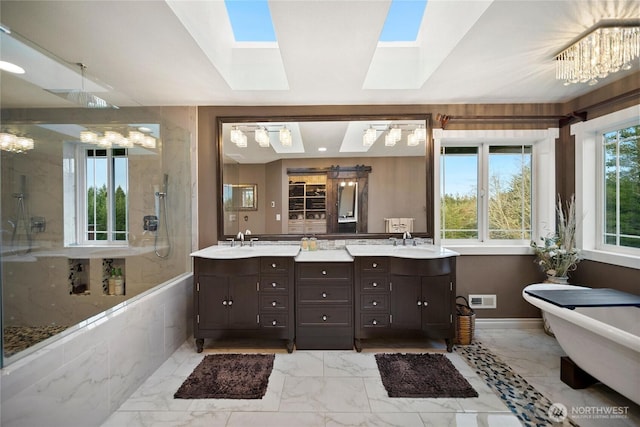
[(603, 341)]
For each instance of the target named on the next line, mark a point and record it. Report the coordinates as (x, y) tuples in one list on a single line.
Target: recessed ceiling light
[(12, 68), (322, 148)]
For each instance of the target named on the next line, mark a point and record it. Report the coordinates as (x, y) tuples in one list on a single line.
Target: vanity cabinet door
[(227, 302), (436, 302), (406, 302)]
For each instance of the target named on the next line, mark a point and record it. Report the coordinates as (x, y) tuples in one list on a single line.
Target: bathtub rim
[(581, 320)]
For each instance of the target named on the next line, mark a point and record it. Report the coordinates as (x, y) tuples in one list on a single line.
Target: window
[(104, 217), (608, 187), (486, 192), (620, 171), (495, 189)]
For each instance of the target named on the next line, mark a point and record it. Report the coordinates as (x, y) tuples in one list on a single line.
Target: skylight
[(403, 21), (250, 20)]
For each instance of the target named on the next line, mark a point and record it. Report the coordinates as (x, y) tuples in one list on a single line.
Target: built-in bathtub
[(603, 341)]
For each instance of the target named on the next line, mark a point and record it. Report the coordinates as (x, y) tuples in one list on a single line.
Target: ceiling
[(150, 53)]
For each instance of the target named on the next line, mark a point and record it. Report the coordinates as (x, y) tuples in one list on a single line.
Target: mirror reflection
[(347, 206), (299, 168)]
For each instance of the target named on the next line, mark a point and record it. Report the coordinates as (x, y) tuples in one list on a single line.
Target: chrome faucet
[(240, 237), (405, 236)]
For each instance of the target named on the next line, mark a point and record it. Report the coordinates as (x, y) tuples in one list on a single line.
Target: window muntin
[(501, 172), (106, 189), (620, 171)]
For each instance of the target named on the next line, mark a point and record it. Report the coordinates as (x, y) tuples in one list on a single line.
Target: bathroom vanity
[(404, 292), (325, 299), (244, 292)]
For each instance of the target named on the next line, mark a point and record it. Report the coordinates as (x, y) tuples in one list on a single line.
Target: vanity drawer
[(274, 283), (378, 320), (378, 283), (273, 302), (274, 264), (374, 264), (226, 267), (370, 302), (324, 271), (274, 320), (324, 316), (322, 294)]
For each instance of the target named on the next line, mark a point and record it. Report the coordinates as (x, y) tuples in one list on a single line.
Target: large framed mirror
[(326, 176)]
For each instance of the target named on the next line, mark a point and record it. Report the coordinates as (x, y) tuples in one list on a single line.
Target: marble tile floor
[(343, 388)]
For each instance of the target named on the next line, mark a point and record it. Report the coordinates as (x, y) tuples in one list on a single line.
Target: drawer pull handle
[(374, 265), (324, 317), (274, 303), (224, 302), (419, 302), (324, 295), (274, 284), (424, 303), (324, 272), (230, 302), (375, 322), (374, 303), (374, 284), (273, 265), (274, 322)]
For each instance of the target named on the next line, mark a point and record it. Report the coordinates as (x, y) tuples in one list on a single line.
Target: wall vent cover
[(483, 301)]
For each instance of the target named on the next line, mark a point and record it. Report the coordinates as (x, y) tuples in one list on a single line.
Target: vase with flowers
[(557, 255)]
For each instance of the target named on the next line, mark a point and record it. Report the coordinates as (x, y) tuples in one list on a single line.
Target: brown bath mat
[(228, 376), (422, 375)]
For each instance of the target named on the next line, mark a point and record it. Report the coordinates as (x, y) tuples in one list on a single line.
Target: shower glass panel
[(76, 214)]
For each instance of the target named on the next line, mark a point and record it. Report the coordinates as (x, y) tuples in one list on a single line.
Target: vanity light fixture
[(14, 143), (389, 140), (605, 49), (111, 138), (285, 137), (236, 134), (396, 133), (262, 137), (412, 140), (369, 137), (421, 133), (242, 142)]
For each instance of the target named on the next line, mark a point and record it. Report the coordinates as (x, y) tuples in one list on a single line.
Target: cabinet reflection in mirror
[(347, 206), (298, 178)]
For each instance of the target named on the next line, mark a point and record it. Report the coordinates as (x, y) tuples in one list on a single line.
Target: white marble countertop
[(324, 255), (415, 252), (228, 252)]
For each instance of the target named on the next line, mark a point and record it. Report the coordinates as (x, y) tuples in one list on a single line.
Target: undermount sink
[(246, 251), (401, 251)]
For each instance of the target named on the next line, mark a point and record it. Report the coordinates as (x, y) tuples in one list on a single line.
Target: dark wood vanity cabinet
[(247, 298), (397, 297), (324, 305)]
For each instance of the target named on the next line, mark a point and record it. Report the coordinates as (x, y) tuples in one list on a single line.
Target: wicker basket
[(465, 322)]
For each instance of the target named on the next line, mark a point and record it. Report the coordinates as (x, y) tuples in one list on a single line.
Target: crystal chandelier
[(14, 143), (602, 51)]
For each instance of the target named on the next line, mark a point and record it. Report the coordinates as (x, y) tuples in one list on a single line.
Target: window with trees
[(486, 192), (105, 203), (621, 187)]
